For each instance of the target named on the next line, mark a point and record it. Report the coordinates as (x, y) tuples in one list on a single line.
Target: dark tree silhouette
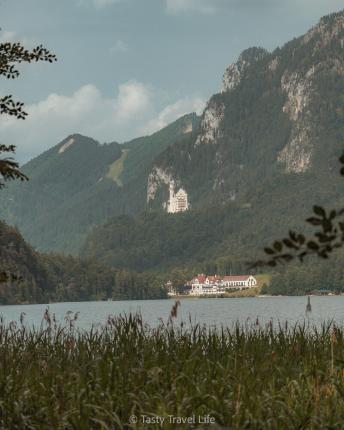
[(12, 54), (9, 169), (329, 235)]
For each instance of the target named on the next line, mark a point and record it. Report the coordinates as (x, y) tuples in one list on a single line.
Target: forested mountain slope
[(278, 115), (80, 183), (267, 149), (44, 278)]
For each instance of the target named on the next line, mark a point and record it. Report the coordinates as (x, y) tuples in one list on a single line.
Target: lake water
[(205, 311)]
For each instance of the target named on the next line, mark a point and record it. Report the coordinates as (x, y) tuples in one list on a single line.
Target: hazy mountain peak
[(72, 140), (330, 27), (234, 72), (66, 145)]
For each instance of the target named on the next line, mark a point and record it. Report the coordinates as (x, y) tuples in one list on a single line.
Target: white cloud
[(98, 4), (172, 112), (212, 6), (128, 114), (85, 111), (118, 46), (133, 98), (7, 36), (103, 3), (202, 6), (12, 36)]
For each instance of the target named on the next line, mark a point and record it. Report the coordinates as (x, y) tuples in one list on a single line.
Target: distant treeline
[(314, 274), (43, 278)]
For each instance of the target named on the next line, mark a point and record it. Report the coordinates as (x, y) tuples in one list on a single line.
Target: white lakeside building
[(203, 285), (177, 202)]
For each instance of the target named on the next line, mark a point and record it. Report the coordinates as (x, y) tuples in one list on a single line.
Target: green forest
[(45, 278), (71, 191)]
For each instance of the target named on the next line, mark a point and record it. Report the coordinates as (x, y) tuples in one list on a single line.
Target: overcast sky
[(129, 67)]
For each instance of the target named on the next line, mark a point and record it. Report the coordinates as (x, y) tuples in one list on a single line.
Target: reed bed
[(257, 378)]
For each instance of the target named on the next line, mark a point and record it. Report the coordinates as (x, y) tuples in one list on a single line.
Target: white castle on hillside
[(177, 202)]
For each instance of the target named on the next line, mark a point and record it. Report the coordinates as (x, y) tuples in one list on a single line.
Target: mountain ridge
[(80, 183), (289, 85), (266, 150)]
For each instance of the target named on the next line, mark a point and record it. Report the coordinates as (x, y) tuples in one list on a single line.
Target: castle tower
[(181, 199)]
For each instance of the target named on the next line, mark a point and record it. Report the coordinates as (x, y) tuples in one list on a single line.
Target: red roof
[(201, 278), (236, 278)]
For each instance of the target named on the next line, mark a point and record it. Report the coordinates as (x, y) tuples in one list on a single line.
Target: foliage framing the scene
[(12, 54)]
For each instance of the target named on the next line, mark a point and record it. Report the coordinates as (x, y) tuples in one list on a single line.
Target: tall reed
[(244, 377)]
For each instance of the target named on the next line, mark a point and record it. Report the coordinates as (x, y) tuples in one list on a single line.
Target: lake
[(205, 311)]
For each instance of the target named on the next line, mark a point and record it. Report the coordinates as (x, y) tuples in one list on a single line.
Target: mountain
[(33, 277), (80, 183), (278, 115), (266, 150)]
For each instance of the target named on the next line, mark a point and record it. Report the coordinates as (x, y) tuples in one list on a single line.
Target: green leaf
[(314, 221), (323, 238), (269, 251), (318, 210), (333, 214), (288, 243), (302, 256), (312, 245), (287, 257), (301, 239), (278, 246), (327, 225), (293, 235)]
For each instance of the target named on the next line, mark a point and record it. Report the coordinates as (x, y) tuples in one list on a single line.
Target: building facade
[(212, 285), (177, 202)]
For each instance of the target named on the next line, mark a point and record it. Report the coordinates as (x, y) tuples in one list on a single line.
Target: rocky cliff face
[(157, 178), (211, 124), (296, 155), (211, 129), (301, 88), (236, 71), (272, 115), (329, 30)]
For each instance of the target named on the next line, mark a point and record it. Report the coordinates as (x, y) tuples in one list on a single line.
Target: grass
[(263, 279), (116, 168), (244, 378)]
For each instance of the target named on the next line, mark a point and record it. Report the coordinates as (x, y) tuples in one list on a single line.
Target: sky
[(127, 68)]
